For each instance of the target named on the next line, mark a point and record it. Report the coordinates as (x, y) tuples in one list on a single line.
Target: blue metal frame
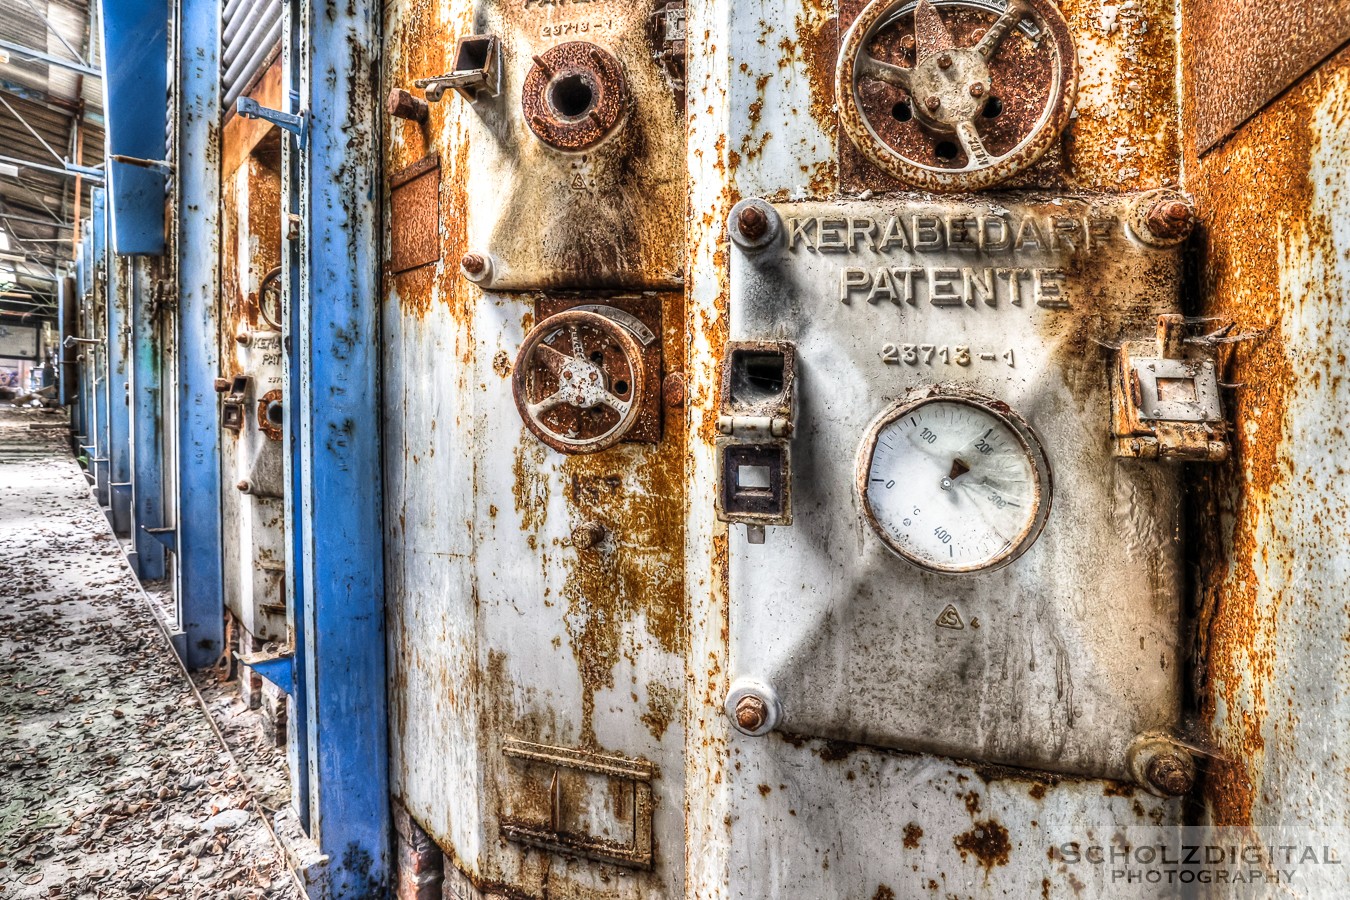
[(135, 54), (298, 744), (338, 413), (98, 255), (147, 437), (119, 406), (200, 585)]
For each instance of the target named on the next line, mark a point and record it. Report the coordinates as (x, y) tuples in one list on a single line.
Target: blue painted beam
[(98, 319), (297, 751), (119, 399), (147, 435), (339, 404), (136, 53), (200, 586)]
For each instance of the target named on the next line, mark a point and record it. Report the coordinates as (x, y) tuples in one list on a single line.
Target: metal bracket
[(277, 667), (166, 536), (1165, 401), (295, 123), (477, 71)]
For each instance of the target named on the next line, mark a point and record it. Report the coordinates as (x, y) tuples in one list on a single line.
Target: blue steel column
[(297, 746), (147, 439), (119, 406), (339, 417), (99, 322), (200, 589)]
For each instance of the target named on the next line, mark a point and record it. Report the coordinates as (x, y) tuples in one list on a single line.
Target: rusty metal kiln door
[(970, 570)]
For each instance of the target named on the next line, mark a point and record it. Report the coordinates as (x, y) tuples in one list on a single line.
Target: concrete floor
[(113, 781)]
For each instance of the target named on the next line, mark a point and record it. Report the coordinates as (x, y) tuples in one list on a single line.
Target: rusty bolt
[(907, 43), (753, 223), (751, 713), (474, 263), (945, 61), (543, 65), (1170, 774), (243, 337), (243, 485), (1170, 219), (221, 385), (403, 105), (673, 389), (977, 90), (932, 103), (588, 535)]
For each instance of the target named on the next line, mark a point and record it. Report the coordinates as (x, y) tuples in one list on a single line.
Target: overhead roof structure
[(51, 118)]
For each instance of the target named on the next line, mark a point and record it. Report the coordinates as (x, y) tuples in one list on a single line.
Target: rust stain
[(988, 842), (1254, 199), (637, 493), (663, 706), (913, 833), (884, 892)]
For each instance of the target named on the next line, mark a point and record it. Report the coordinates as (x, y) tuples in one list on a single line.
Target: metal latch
[(476, 73), (232, 407), (1165, 400), (669, 25), (757, 403), (295, 123)]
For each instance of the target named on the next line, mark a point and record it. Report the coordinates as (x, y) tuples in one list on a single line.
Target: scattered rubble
[(113, 783)]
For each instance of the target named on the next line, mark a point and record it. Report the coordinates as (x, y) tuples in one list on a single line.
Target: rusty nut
[(752, 706), (673, 389), (403, 105), (753, 222), (477, 267), (1161, 218), (1170, 774), (1161, 764), (751, 713), (1170, 219), (588, 535)]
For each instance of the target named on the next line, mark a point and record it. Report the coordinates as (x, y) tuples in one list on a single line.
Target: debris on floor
[(113, 782)]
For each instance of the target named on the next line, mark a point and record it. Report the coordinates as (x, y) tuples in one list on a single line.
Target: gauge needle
[(959, 468)]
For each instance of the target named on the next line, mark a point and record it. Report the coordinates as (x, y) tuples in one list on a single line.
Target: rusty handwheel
[(956, 95), (578, 382)]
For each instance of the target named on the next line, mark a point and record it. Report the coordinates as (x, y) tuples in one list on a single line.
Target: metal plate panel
[(415, 215), (1055, 662), (1243, 55)]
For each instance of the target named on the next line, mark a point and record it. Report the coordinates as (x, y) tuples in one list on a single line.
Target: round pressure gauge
[(954, 483)]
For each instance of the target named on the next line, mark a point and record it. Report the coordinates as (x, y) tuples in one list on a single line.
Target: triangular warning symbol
[(950, 618)]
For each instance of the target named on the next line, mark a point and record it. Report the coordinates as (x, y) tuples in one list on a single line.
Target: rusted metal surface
[(415, 214), (952, 97), (574, 95), (1240, 56), (621, 646), (1272, 202)]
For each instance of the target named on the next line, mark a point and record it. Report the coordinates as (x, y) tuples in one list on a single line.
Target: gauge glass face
[(953, 486)]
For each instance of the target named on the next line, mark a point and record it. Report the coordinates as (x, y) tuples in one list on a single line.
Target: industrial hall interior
[(674, 449)]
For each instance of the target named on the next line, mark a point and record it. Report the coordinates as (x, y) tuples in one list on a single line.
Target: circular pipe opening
[(571, 95)]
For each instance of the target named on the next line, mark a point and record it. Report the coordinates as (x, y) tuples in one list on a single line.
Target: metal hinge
[(295, 123)]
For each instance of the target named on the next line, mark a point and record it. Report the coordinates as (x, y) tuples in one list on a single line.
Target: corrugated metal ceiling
[(49, 113)]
